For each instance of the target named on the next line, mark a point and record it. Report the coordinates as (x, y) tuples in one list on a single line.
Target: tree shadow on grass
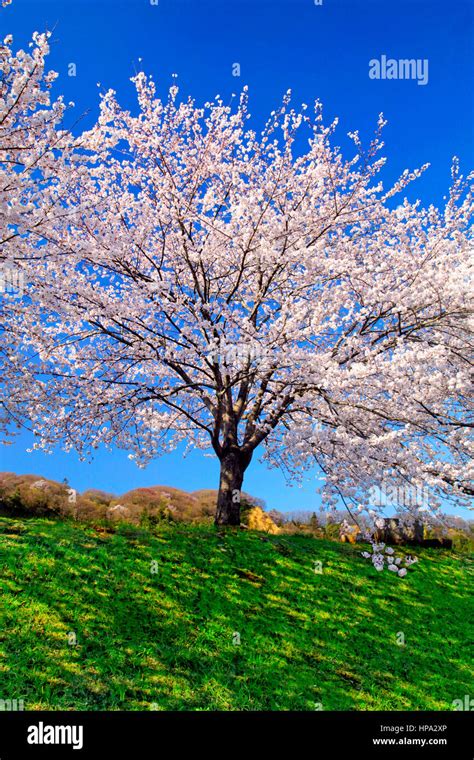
[(226, 622)]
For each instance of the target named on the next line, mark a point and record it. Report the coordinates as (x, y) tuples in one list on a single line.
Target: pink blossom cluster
[(384, 556)]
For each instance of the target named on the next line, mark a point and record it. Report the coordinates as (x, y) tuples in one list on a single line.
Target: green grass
[(167, 638)]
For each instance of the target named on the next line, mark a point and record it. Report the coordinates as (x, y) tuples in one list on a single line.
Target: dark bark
[(233, 466)]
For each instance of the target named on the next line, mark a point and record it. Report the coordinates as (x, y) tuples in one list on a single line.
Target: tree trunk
[(233, 466)]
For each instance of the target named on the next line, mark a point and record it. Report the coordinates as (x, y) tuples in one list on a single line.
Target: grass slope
[(167, 638)]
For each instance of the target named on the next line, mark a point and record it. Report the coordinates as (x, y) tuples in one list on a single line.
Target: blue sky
[(319, 51)]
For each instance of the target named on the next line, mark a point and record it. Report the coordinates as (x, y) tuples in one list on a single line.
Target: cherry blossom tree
[(239, 290), (31, 146)]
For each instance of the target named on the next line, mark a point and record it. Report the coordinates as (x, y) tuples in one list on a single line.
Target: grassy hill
[(167, 640)]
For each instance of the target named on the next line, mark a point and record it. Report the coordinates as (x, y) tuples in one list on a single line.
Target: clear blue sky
[(319, 51)]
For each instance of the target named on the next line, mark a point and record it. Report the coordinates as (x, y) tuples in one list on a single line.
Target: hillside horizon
[(162, 499)]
